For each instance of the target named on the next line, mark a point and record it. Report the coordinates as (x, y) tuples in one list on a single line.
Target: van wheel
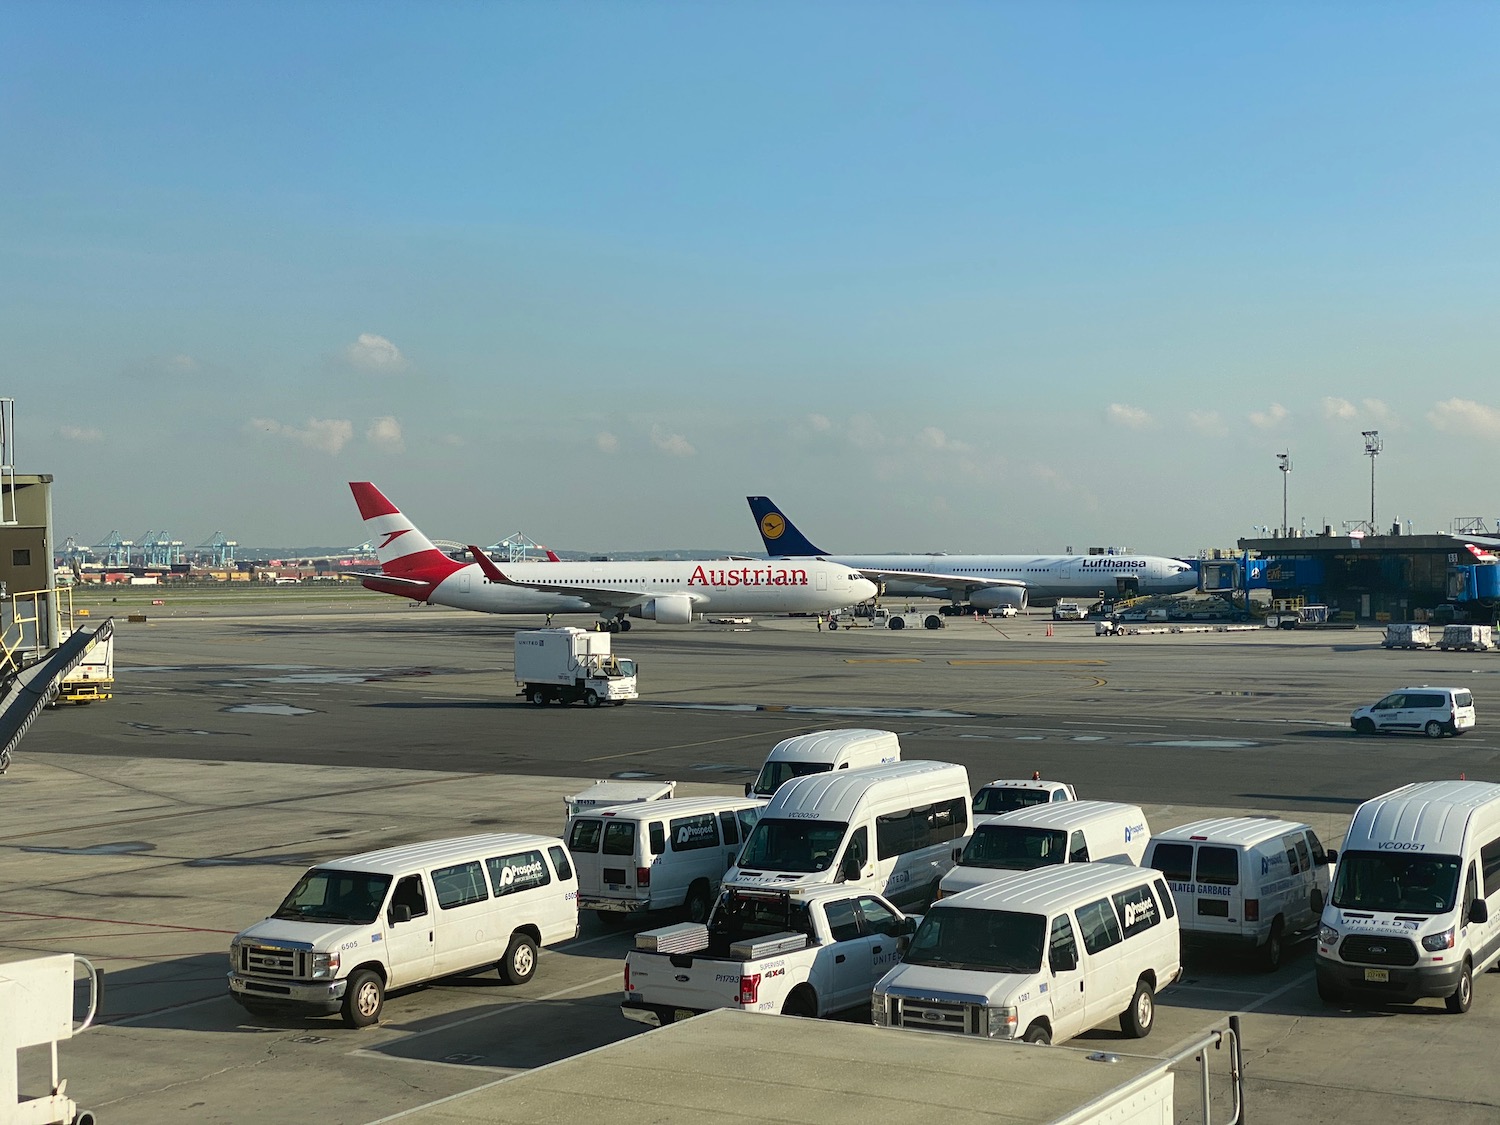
[(1270, 953), (519, 965), (535, 696), (1364, 726), (1433, 729), (1137, 1020), (1463, 995), (1038, 1033), (591, 698), (802, 1002), (698, 903), (363, 998)]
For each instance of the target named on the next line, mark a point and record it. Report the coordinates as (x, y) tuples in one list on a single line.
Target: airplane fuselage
[(1046, 576)]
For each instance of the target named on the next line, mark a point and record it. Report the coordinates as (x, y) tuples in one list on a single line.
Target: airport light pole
[(1373, 446), (1284, 463)]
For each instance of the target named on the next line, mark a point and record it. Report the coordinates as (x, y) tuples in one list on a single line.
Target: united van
[(1047, 835), (1410, 912), (355, 928), (1041, 956), (822, 752), (657, 855), (1246, 882), (889, 829)]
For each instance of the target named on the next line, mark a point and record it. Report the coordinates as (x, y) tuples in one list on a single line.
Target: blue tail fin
[(778, 533)]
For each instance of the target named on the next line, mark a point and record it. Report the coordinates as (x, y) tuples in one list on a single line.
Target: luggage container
[(1407, 635)]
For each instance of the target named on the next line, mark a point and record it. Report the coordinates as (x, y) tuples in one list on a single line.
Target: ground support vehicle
[(36, 1011), (614, 791), (93, 677), (805, 952), (572, 666), (883, 618), (1068, 611), (823, 751)]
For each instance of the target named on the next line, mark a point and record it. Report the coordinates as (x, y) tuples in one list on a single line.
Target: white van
[(820, 752), (1409, 915), (1249, 882), (1006, 794), (352, 929), (1041, 956), (657, 855), (1046, 835), (1433, 711), (889, 829)]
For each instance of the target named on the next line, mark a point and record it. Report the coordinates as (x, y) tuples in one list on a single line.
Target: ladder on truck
[(37, 999)]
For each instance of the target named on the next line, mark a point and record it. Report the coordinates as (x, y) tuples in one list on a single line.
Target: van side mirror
[(1064, 960), (1479, 911), (749, 788), (958, 854), (907, 928), (849, 870), (401, 913), (1333, 856)]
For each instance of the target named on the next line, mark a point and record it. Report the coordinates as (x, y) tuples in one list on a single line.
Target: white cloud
[(1464, 416), (375, 354), (819, 422), (673, 444), (864, 432), (1207, 422), (1131, 417), (79, 433), (1265, 419), (1377, 410), (607, 442), (1340, 408), (326, 434), (933, 438), (385, 433)]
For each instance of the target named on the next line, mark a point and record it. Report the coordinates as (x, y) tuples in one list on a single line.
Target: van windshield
[(991, 941), (773, 775), (1003, 800), (793, 845), (335, 896), (1407, 884), (1014, 847)]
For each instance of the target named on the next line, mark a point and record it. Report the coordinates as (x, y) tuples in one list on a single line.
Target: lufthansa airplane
[(669, 592), (988, 581)]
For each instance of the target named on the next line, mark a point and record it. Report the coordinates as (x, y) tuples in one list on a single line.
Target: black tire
[(698, 904), (1463, 995), (536, 696), (897, 623), (1137, 1020), (591, 698), (364, 997), (1364, 727), (1433, 729), (624, 625), (1270, 953), (933, 621), (519, 965), (802, 1002), (1038, 1033), (832, 625), (1329, 992)]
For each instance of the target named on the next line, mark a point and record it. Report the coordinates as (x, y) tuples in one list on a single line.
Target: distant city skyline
[(967, 277)]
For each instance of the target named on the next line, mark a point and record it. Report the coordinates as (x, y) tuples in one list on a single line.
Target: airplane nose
[(863, 589)]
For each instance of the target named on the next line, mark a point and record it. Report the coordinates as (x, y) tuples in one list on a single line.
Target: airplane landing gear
[(620, 624)]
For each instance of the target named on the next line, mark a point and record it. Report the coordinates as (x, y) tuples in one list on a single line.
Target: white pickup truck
[(802, 952)]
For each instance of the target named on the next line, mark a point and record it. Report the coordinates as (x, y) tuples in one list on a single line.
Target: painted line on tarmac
[(1095, 663), (1222, 1021), (887, 660)]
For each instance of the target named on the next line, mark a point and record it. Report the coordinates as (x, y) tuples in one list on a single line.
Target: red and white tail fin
[(402, 549)]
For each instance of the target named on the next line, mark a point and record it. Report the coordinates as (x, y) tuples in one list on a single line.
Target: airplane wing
[(948, 581), (619, 598)]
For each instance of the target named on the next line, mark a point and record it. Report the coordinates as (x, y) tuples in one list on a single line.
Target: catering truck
[(803, 952), (571, 666)]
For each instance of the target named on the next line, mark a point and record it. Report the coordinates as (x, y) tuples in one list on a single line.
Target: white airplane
[(988, 581), (669, 592)]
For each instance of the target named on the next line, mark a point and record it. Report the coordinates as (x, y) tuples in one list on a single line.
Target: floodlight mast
[(1284, 463), (1373, 446)]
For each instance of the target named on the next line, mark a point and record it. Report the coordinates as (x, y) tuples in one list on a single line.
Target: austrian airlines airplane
[(988, 581), (669, 592)]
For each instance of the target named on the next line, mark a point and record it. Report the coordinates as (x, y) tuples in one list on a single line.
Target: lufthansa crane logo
[(772, 525)]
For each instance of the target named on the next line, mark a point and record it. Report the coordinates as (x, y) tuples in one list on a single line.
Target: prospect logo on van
[(532, 870), (692, 833)]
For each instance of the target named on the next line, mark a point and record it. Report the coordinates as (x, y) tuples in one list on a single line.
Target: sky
[(961, 277)]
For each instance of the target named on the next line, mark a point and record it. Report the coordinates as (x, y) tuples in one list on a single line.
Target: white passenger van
[(889, 829), (657, 855), (820, 752), (1046, 835), (1041, 956), (1409, 915), (1433, 711), (352, 929), (1247, 882)]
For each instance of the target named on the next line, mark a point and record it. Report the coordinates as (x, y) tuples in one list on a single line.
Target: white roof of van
[(671, 807), (836, 796), (826, 745), (1066, 814), (1037, 892), (1432, 813), (1237, 831), (1020, 783), (392, 861)]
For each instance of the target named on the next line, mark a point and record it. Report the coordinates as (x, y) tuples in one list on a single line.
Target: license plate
[(1378, 976), (683, 1013)]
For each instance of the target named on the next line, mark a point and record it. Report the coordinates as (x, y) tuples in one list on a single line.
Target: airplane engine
[(674, 609), (994, 597)]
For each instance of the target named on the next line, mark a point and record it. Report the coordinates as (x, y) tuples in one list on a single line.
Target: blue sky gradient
[(964, 277)]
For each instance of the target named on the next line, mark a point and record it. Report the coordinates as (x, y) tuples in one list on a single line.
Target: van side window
[(859, 846), (519, 872), (1061, 795), (1100, 927), (1137, 909), (1175, 861), (409, 893), (1304, 857), (1062, 950), (843, 922), (1289, 845), (913, 829), (459, 885), (878, 917), (1168, 907), (748, 817), (585, 836), (689, 833), (658, 838), (1320, 857), (1078, 849), (1218, 865), (560, 861), (619, 837), (1489, 858), (728, 824), (1471, 892)]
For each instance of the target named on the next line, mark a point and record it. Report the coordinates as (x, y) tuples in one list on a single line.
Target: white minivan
[(1041, 956), (1247, 882), (821, 752), (1047, 835), (352, 929), (1409, 915), (657, 855), (1433, 711), (886, 828)]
